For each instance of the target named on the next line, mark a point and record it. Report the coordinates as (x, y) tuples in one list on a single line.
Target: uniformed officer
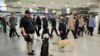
[(27, 30)]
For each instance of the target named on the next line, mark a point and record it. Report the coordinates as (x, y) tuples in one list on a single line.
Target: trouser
[(13, 32), (29, 42), (73, 32), (63, 34), (76, 31), (29, 47), (4, 29), (91, 29), (81, 30), (44, 32), (87, 30), (54, 29), (38, 30), (99, 29)]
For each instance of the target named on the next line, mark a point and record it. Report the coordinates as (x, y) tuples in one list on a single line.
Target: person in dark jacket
[(45, 27), (38, 23), (4, 24), (87, 24), (62, 28), (12, 25), (27, 27), (53, 22), (76, 25), (99, 28)]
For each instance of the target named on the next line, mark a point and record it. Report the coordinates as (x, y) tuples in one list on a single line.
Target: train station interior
[(85, 45)]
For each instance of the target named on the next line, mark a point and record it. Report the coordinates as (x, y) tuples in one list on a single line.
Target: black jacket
[(53, 21), (38, 21), (3, 21), (99, 28), (62, 25), (45, 23)]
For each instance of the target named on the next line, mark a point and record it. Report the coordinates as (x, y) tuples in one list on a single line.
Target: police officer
[(27, 30)]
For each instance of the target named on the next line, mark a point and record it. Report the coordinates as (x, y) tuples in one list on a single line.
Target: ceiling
[(1, 2), (56, 4), (10, 1)]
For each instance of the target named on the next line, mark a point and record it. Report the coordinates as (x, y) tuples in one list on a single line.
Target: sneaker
[(18, 36), (76, 37), (30, 53), (32, 50)]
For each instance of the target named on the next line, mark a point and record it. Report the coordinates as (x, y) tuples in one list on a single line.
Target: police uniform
[(26, 23)]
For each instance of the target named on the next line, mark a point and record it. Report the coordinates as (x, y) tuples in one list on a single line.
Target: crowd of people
[(77, 24)]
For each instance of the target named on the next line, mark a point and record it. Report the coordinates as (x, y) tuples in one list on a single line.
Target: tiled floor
[(84, 46)]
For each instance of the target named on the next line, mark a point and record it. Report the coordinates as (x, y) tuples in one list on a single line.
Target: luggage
[(45, 48)]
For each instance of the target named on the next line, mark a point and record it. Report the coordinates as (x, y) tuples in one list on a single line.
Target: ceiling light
[(19, 3), (54, 11), (30, 9), (68, 10), (89, 3), (34, 5), (51, 2), (46, 10)]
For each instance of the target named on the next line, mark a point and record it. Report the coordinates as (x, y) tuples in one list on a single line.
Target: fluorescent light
[(51, 2), (67, 10), (54, 11), (89, 3), (34, 5), (19, 3), (46, 10), (30, 9)]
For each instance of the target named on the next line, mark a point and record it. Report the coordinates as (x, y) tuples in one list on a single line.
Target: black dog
[(45, 48)]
